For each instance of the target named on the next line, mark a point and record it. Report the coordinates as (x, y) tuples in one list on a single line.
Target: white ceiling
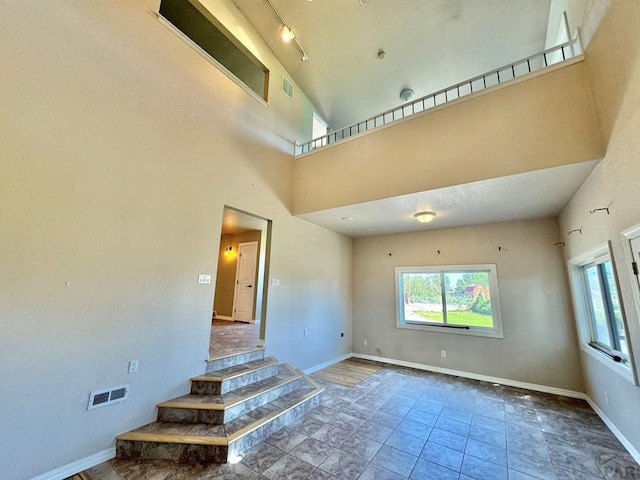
[(538, 194), (429, 44)]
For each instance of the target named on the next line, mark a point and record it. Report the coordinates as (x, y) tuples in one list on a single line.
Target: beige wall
[(613, 60), (540, 123), (119, 147), (539, 344), (226, 274)]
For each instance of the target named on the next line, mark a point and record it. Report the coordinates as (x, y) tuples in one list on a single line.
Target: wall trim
[(224, 317), (618, 434), (326, 364), (78, 466), (476, 376)]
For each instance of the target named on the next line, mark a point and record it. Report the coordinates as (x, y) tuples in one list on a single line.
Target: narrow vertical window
[(605, 312)]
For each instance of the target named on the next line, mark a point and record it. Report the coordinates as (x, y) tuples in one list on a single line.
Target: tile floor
[(232, 337), (402, 423)]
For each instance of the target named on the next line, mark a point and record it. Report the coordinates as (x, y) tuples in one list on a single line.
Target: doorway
[(239, 303)]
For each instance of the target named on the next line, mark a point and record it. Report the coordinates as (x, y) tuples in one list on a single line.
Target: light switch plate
[(275, 282), (133, 366), (202, 278)]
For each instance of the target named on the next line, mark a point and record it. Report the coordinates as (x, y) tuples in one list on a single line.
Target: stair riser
[(199, 387), (190, 415), (178, 452), (244, 443), (219, 417), (259, 401), (230, 361)]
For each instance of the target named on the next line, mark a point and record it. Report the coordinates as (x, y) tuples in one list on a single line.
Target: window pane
[(422, 297), (618, 326), (468, 299), (597, 306)]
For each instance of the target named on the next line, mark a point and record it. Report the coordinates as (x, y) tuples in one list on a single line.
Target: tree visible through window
[(455, 297)]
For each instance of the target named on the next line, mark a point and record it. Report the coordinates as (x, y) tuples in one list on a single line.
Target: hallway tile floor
[(229, 337), (407, 424)]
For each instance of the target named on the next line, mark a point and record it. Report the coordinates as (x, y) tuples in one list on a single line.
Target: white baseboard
[(224, 317), (326, 364), (623, 440), (78, 466), (476, 376)]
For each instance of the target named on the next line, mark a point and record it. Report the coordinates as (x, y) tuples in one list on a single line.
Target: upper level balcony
[(534, 114)]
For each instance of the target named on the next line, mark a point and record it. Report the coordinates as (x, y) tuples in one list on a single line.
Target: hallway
[(229, 337)]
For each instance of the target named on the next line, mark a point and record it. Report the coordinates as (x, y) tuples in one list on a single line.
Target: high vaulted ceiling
[(429, 44)]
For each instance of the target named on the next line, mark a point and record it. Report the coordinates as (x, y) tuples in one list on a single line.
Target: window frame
[(585, 318), (491, 269)]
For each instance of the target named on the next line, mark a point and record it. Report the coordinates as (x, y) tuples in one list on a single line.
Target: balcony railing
[(539, 61)]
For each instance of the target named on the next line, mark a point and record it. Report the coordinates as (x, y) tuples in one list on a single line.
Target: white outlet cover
[(204, 279), (275, 282)]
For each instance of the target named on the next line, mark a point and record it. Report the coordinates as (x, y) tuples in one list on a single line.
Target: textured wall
[(539, 344), (613, 60)]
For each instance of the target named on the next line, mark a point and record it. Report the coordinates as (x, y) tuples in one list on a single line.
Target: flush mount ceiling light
[(287, 34), (424, 217)]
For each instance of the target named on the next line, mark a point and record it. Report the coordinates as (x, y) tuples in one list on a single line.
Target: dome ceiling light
[(424, 217)]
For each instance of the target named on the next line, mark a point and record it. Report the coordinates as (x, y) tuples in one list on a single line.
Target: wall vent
[(287, 87), (102, 398)]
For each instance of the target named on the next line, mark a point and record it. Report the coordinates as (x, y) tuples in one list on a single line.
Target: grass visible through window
[(458, 318)]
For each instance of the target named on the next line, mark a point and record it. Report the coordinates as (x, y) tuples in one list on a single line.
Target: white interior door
[(244, 291)]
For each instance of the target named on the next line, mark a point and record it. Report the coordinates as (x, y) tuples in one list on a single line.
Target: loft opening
[(205, 33)]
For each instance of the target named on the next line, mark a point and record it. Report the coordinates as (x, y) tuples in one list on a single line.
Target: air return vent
[(287, 87), (101, 398)]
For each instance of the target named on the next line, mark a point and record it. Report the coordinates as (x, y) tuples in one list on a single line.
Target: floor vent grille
[(102, 398)]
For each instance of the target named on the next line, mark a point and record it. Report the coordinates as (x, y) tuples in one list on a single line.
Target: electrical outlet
[(443, 353), (275, 282), (365, 342), (133, 366), (204, 278)]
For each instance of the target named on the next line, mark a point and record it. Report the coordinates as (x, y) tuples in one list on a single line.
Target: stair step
[(223, 381), (216, 443), (220, 409), (225, 361)]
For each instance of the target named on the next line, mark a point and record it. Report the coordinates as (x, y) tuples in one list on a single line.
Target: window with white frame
[(597, 305), (453, 299)]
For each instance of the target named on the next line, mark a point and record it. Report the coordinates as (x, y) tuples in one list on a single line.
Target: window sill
[(475, 332), (619, 368)]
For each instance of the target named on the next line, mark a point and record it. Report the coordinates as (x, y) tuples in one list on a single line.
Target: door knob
[(249, 286)]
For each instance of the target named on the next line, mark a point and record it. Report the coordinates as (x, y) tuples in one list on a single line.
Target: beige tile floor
[(232, 337)]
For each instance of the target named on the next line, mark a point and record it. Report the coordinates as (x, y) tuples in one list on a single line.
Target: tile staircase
[(241, 400)]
